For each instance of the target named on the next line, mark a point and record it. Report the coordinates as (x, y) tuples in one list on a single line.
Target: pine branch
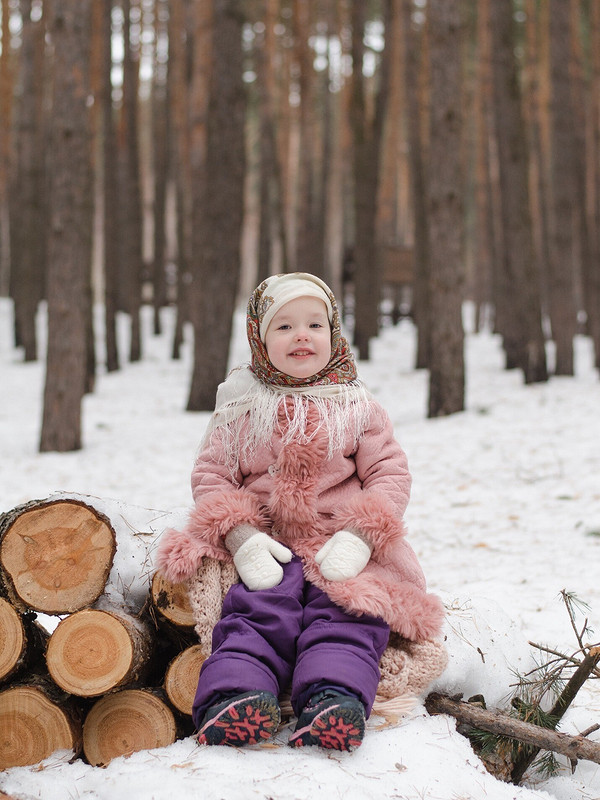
[(573, 747), (558, 710), (561, 657), (510, 743)]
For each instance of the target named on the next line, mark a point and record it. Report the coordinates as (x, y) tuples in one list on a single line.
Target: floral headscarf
[(264, 303), (248, 401)]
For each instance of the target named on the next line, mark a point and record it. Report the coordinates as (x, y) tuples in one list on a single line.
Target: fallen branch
[(561, 705), (573, 747)]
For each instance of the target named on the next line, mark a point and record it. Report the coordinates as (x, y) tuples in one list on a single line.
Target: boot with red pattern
[(248, 718), (332, 721)]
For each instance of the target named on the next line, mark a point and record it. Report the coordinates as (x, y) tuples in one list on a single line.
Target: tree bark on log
[(36, 720), (574, 747), (95, 651), (124, 722), (22, 641), (181, 678), (56, 556)]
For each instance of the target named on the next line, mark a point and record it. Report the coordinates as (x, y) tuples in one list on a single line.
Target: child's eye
[(316, 325), (284, 327)]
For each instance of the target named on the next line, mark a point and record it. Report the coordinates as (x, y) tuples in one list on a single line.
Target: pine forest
[(416, 154)]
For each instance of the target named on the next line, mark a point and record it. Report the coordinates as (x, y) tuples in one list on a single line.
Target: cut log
[(181, 678), (34, 724), (170, 602), (22, 641), (125, 722), (55, 557), (94, 651)]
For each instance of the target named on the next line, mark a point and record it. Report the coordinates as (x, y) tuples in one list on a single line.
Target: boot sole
[(333, 728), (249, 719)]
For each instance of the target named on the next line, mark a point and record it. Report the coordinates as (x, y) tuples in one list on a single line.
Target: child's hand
[(257, 559), (344, 556)]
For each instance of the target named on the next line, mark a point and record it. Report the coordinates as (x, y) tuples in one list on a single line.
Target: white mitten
[(256, 557), (344, 556)]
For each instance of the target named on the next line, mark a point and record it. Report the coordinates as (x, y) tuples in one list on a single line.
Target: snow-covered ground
[(505, 513)]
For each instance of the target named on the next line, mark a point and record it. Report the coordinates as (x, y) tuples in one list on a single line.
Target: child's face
[(298, 339)]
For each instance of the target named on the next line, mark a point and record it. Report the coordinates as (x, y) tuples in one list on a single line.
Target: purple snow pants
[(290, 634)]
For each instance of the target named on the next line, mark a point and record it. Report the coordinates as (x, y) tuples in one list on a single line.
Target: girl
[(301, 486)]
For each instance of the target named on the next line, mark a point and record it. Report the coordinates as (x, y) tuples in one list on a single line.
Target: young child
[(301, 484)]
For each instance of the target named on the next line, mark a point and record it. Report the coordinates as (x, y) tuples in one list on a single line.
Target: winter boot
[(247, 718), (330, 720)]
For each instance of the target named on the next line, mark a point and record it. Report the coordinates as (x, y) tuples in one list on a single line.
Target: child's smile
[(298, 339)]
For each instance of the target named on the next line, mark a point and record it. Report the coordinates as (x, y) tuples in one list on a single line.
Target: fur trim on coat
[(180, 553)]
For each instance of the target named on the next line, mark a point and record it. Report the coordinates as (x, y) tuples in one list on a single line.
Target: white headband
[(283, 288)]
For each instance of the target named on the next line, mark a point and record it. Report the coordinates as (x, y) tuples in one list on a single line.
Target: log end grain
[(55, 557), (33, 726), (170, 600), (12, 639), (181, 679), (92, 652), (125, 722)]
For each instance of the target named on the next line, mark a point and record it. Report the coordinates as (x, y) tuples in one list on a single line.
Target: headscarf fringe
[(248, 421)]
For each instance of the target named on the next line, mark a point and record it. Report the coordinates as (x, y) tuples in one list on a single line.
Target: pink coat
[(295, 493)]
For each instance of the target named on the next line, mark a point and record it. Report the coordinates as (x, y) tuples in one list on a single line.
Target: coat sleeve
[(381, 464), (220, 504), (376, 512), (210, 471)]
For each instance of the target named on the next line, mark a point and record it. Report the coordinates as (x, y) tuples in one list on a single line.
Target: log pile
[(89, 662), (98, 653)]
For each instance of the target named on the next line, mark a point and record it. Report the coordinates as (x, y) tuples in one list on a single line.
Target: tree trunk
[(95, 651), (536, 116), (55, 556), (160, 123), (124, 722), (220, 216), (28, 225), (70, 246), (309, 227), (521, 324), (111, 228), (417, 148), (180, 165), (586, 153), (595, 173), (486, 249), (6, 102), (564, 201), (272, 239), (131, 266), (36, 720), (266, 138), (367, 131), (445, 212)]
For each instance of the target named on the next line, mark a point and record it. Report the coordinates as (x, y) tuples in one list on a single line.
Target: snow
[(505, 513)]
